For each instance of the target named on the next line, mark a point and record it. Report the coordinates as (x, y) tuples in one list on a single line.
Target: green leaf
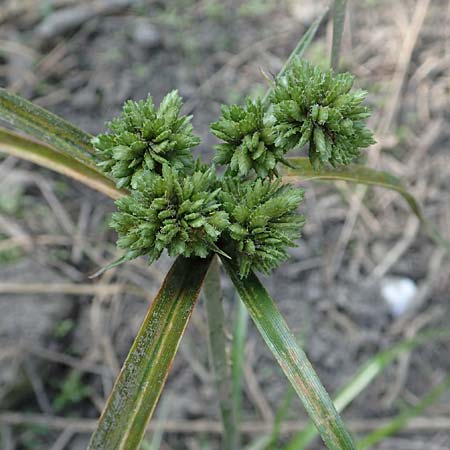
[(46, 127), (213, 294), (237, 357), (141, 380), (301, 170), (299, 50), (363, 377), (291, 359), (30, 150), (402, 419), (339, 9)]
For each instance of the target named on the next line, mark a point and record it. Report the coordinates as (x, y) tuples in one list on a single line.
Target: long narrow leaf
[(292, 359), (46, 127), (213, 294), (363, 377), (402, 420), (303, 171), (237, 359), (339, 9), (299, 50), (30, 150), (141, 380)]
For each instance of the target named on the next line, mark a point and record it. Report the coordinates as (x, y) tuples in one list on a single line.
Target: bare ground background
[(63, 337)]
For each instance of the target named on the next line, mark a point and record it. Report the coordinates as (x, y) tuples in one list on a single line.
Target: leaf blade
[(141, 380), (363, 377), (400, 421), (46, 127), (30, 150), (300, 169), (291, 359)]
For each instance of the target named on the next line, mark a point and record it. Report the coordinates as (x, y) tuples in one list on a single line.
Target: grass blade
[(292, 360), (269, 441), (237, 360), (154, 442), (141, 380), (212, 290), (402, 420), (339, 9), (30, 150), (46, 127), (363, 377), (303, 171), (299, 50), (280, 415)]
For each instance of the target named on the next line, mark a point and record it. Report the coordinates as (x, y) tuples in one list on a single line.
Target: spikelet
[(143, 139), (182, 214), (264, 222), (318, 108), (249, 141)]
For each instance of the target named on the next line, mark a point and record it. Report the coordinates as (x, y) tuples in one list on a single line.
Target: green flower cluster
[(179, 213), (263, 222), (249, 140), (246, 214), (144, 138), (318, 108)]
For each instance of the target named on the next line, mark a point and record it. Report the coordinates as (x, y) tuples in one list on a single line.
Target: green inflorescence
[(263, 221), (143, 139), (247, 214), (317, 107), (249, 140), (182, 214)]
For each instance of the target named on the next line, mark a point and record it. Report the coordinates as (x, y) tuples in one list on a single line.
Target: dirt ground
[(63, 337)]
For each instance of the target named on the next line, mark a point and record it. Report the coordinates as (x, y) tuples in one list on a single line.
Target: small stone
[(398, 293), (146, 35)]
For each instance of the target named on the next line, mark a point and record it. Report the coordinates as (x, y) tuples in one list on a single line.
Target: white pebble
[(398, 293)]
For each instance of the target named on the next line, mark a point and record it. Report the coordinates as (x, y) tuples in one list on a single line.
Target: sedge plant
[(241, 209), (246, 215)]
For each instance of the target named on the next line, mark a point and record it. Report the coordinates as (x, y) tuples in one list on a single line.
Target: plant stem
[(217, 347)]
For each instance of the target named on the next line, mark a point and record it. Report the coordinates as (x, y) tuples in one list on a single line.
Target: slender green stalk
[(292, 360), (402, 420), (143, 375), (339, 9), (214, 311), (363, 377)]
